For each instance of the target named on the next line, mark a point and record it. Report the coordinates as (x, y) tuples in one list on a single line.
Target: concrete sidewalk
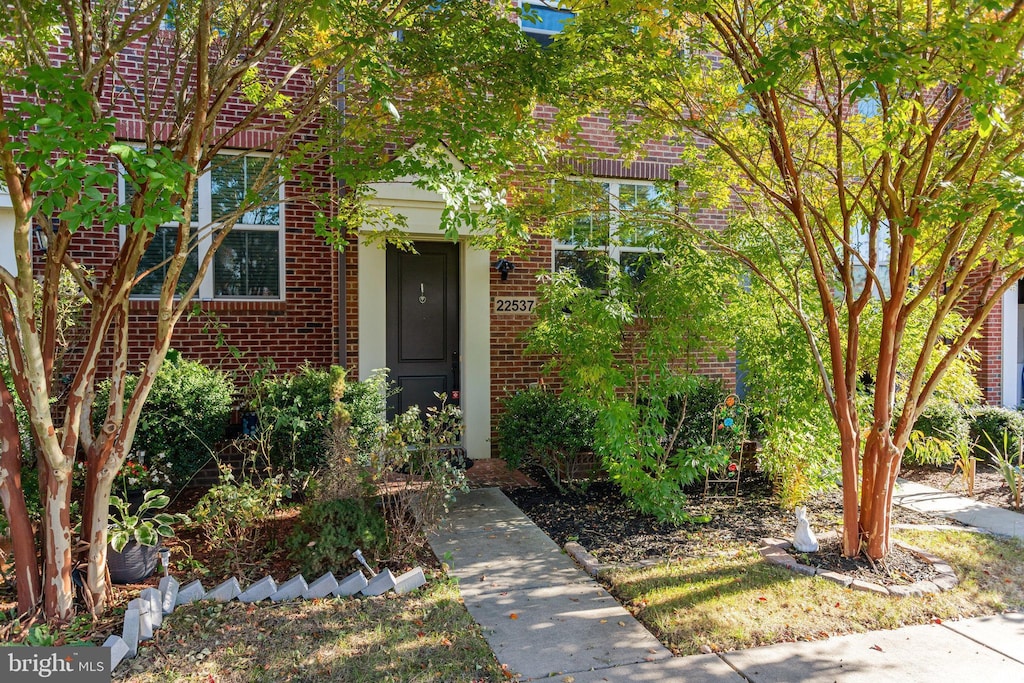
[(964, 510), (544, 617)]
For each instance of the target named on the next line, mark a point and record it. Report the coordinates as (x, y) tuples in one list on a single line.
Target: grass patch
[(736, 600), (426, 635)]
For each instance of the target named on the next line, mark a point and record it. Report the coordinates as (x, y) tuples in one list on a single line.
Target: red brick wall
[(990, 346)]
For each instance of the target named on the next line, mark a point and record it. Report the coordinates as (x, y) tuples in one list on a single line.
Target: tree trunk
[(850, 457), (58, 591), (881, 466), (23, 543), (95, 517)]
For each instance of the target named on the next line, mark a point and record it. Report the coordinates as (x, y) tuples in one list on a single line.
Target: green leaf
[(147, 535)]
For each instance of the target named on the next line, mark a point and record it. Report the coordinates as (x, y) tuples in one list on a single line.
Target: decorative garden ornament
[(805, 541)]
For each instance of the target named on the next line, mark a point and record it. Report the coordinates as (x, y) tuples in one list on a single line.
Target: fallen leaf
[(705, 649), (446, 642), (604, 621), (418, 622), (875, 647), (513, 616), (936, 620), (622, 623), (569, 679), (420, 634)]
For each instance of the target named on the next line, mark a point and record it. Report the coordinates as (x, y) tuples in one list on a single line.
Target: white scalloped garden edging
[(145, 614)]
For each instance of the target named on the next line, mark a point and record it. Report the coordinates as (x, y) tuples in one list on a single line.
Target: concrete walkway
[(964, 510), (544, 617)]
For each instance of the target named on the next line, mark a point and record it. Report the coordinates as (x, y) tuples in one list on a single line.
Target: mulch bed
[(601, 520), (899, 567)]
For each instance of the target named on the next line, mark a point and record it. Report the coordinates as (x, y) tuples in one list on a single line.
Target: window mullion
[(206, 232), (613, 221)]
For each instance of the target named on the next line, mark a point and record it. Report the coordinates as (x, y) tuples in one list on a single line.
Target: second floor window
[(543, 20)]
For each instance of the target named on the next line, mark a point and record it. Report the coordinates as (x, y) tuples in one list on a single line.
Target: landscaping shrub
[(413, 468), (944, 419), (545, 429), (230, 514), (940, 429), (783, 389), (294, 415), (631, 350), (185, 416), (988, 423), (329, 531), (699, 400)]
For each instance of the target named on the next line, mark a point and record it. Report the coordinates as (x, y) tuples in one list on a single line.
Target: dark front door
[(423, 323)]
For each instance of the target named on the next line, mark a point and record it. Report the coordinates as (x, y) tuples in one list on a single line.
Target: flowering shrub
[(140, 472)]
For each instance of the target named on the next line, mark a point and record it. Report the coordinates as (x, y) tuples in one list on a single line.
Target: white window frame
[(615, 248), (207, 228)]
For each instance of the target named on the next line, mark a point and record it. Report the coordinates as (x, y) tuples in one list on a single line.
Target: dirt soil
[(601, 520)]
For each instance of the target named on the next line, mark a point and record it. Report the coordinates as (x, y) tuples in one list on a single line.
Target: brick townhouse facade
[(445, 318)]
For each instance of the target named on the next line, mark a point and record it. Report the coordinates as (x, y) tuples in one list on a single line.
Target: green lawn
[(735, 599)]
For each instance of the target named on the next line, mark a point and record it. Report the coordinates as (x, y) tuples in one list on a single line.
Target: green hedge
[(185, 416), (545, 429), (988, 425), (294, 410), (944, 420)]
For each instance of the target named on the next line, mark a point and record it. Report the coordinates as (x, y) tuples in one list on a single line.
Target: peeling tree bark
[(26, 566)]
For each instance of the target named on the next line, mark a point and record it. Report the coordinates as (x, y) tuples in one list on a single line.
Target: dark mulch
[(899, 567), (601, 520)]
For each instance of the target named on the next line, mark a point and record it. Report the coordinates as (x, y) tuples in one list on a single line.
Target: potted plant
[(134, 534)]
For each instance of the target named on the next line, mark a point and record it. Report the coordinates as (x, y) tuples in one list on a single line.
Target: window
[(543, 20), (869, 107), (249, 263), (612, 227), (860, 240)]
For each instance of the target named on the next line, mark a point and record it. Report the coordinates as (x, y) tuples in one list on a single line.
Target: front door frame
[(474, 328), (444, 292)]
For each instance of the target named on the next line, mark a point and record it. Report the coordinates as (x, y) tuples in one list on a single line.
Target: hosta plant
[(144, 528)]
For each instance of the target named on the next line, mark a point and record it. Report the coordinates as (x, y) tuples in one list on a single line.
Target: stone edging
[(775, 551)]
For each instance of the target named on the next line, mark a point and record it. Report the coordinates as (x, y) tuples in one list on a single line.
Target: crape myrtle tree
[(344, 85), (880, 140)]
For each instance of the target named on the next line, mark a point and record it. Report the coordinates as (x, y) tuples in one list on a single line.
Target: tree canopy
[(153, 91), (869, 154)]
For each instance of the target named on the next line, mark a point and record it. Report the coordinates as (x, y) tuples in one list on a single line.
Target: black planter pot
[(133, 564), (133, 497)]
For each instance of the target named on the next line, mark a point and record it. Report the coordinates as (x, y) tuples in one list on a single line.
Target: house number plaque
[(514, 305)]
